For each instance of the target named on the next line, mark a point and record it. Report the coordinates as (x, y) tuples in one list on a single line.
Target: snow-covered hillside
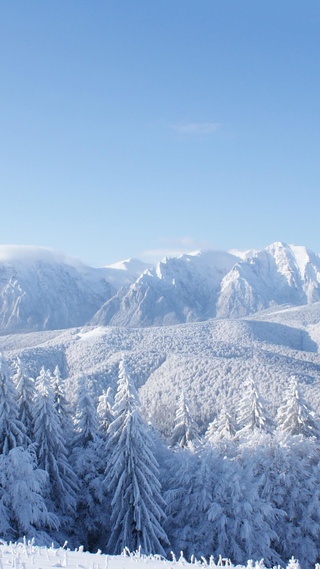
[(210, 361)]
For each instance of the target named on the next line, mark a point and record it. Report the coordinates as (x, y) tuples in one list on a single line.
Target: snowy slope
[(210, 361), (28, 555), (124, 273)]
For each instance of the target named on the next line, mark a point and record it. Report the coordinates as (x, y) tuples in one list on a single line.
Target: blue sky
[(158, 126)]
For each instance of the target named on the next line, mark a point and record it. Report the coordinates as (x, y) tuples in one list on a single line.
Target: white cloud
[(196, 128), (30, 253)]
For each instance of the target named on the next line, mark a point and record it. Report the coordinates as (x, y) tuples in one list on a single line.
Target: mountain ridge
[(44, 290)]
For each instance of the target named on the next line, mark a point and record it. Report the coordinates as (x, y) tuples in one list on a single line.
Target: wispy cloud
[(196, 128), (30, 254), (174, 248)]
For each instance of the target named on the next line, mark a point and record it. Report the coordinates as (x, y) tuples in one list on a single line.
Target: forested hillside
[(101, 477)]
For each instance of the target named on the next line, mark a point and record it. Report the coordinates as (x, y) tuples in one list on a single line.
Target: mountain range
[(42, 291)]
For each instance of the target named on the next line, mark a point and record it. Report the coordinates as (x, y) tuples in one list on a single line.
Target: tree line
[(102, 477)]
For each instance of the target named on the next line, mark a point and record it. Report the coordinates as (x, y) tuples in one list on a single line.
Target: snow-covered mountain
[(178, 289), (124, 273), (279, 274), (213, 284), (40, 290), (44, 290)]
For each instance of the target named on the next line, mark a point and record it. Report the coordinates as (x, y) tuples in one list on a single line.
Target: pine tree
[(89, 461), (23, 488), (51, 451), (240, 520), (25, 392), (294, 487), (86, 419), (132, 477), (223, 427), (252, 415), (12, 431), (104, 410), (185, 432), (60, 400), (185, 502), (294, 416)]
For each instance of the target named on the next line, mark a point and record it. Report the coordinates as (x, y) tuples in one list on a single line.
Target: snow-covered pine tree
[(252, 414), (89, 462), (104, 409), (60, 401), (51, 451), (241, 522), (12, 431), (223, 427), (86, 419), (180, 495), (25, 393), (132, 477), (296, 489), (185, 431), (295, 416), (23, 488)]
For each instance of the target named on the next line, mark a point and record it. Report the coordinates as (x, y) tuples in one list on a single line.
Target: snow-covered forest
[(99, 476)]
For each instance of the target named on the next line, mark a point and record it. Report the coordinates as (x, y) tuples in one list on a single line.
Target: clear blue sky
[(132, 126)]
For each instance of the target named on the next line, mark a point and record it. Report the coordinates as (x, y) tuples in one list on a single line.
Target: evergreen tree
[(51, 450), (185, 432), (298, 492), (23, 487), (187, 495), (12, 431), (104, 409), (60, 400), (294, 416), (86, 419), (223, 427), (25, 392), (89, 461), (132, 477), (240, 520), (252, 415)]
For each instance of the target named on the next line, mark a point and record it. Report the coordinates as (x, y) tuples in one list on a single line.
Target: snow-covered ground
[(28, 556)]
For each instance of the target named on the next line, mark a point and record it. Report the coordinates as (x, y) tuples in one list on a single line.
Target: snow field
[(26, 555)]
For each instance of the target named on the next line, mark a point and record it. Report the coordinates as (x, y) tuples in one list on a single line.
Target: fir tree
[(132, 477), (23, 489), (89, 461), (252, 415), (184, 502), (60, 400), (185, 432), (104, 410), (223, 427), (12, 431), (241, 522), (294, 416), (51, 450), (297, 486), (25, 392)]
